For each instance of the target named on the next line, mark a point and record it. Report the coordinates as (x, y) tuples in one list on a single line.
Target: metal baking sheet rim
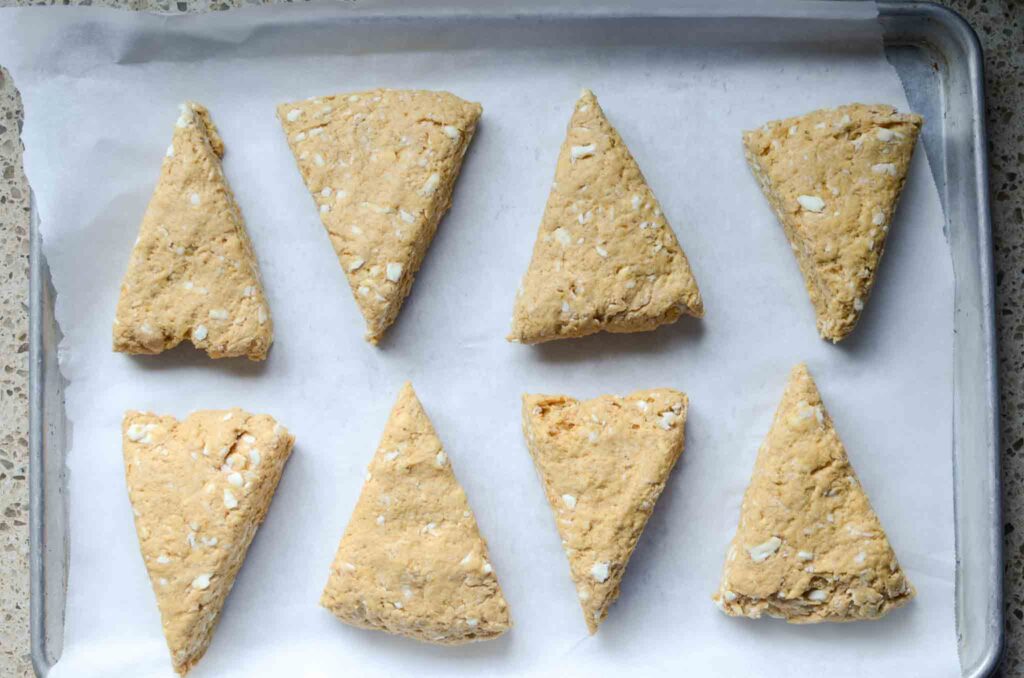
[(979, 576)]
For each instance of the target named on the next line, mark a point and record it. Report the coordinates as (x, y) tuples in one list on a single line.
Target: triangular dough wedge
[(412, 561), (809, 547), (833, 178), (604, 463), (193, 274), (199, 489), (381, 166), (605, 258)]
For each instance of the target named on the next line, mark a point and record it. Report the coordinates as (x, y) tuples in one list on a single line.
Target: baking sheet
[(99, 114)]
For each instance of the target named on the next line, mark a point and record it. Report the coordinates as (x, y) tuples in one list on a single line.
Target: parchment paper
[(100, 91)]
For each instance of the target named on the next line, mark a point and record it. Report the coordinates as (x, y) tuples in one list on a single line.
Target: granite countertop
[(1000, 25)]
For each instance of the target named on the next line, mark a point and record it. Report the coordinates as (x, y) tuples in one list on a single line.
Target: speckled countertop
[(1000, 25)]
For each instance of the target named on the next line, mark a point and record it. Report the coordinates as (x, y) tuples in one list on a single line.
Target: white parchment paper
[(100, 91)]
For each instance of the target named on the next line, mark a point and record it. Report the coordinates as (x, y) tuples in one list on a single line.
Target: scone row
[(412, 562), (381, 166)]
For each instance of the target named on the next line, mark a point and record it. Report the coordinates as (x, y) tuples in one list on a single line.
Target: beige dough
[(193, 275), (412, 561), (199, 489), (809, 548), (833, 178), (605, 258), (604, 463), (381, 166)]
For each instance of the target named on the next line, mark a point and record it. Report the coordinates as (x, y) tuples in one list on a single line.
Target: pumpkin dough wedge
[(604, 463), (833, 178), (809, 547), (381, 166), (412, 561), (199, 489), (605, 258), (192, 274)]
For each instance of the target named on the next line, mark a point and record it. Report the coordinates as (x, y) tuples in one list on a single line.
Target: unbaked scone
[(833, 178), (192, 273), (199, 489), (809, 547), (412, 561), (605, 258), (381, 166), (604, 463)]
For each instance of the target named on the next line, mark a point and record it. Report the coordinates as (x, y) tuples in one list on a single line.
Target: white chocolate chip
[(884, 168), (218, 314), (599, 572), (406, 217), (577, 152), (431, 184), (293, 115), (254, 456), (761, 552), (563, 236), (569, 500), (324, 209), (318, 160), (486, 568), (805, 555), (452, 132), (194, 198), (356, 264), (729, 596), (162, 559), (199, 333), (884, 134), (858, 304), (667, 419), (860, 558), (394, 271), (380, 520), (202, 582), (170, 151), (811, 203), (186, 118), (818, 595), (235, 478), (602, 251), (261, 315), (140, 433), (441, 459), (230, 502)]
